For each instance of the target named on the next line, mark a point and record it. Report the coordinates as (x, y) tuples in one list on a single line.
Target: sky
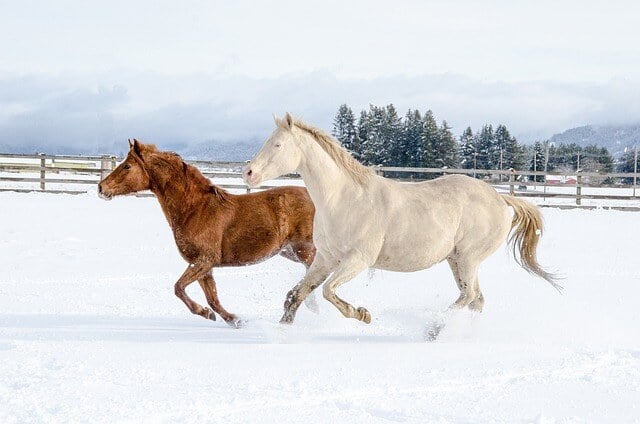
[(94, 73)]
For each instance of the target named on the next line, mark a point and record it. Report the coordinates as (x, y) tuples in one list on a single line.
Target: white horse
[(365, 221)]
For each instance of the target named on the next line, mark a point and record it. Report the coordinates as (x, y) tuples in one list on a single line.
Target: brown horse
[(213, 227)]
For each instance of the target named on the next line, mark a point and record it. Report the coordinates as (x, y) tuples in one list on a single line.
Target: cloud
[(94, 112)]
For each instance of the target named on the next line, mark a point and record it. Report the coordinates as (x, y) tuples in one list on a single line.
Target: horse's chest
[(187, 245)]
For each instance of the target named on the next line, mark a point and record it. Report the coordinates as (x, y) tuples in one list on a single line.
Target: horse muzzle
[(104, 194), (250, 177)]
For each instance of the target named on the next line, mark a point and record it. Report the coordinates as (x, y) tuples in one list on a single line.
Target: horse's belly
[(409, 257), (405, 264)]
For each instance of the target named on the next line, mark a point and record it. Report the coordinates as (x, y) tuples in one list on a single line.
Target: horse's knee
[(178, 291)]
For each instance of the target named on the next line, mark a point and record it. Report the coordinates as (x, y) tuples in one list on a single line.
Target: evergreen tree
[(373, 147), (467, 149), (429, 138), (445, 148), (537, 161), (628, 164), (344, 128), (596, 159), (507, 153), (364, 129), (391, 137), (485, 141), (412, 138), (606, 160)]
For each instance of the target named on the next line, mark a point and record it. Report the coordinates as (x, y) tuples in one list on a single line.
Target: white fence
[(80, 174)]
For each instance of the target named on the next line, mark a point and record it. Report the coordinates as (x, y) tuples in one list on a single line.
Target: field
[(90, 330)]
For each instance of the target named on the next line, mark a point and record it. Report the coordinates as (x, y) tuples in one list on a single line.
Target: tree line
[(380, 136)]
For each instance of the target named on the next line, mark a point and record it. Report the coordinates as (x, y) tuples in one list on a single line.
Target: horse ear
[(280, 123), (288, 119), (137, 147), (130, 144)]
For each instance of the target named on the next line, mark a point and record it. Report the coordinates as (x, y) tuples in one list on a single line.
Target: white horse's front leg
[(346, 271), (316, 274)]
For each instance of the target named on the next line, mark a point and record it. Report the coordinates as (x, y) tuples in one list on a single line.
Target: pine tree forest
[(382, 136)]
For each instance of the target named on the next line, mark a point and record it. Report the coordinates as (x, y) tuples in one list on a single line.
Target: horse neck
[(175, 191), (326, 180)]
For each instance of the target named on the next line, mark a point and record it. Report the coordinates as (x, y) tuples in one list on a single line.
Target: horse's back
[(290, 206), (484, 217)]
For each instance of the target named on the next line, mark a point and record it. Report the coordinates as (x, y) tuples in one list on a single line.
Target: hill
[(614, 137)]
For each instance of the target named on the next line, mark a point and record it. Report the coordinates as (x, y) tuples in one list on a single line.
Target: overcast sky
[(80, 72)]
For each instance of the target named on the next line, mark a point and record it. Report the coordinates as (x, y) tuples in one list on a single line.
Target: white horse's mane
[(339, 154)]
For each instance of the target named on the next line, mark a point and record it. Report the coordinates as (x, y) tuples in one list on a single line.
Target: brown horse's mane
[(173, 162)]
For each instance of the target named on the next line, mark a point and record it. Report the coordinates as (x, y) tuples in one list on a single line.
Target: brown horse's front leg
[(192, 273), (208, 285)]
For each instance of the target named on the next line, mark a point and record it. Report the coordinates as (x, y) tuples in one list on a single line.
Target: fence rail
[(79, 174)]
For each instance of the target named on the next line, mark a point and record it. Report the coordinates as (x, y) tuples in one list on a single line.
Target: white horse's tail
[(526, 229)]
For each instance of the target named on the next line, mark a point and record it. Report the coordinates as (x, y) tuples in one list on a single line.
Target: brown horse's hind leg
[(192, 273), (208, 285)]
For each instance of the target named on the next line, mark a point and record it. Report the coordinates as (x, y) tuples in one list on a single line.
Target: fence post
[(579, 189), (512, 181), (43, 164), (106, 166), (635, 169)]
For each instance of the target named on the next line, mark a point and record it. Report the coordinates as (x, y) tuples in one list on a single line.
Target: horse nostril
[(99, 188), (249, 172)]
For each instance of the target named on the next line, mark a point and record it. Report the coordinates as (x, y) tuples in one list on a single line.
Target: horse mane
[(360, 173), (192, 174)]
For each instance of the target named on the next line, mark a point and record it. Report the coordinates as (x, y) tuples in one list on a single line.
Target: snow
[(90, 330)]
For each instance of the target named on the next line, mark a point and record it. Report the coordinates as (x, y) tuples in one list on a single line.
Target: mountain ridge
[(616, 138)]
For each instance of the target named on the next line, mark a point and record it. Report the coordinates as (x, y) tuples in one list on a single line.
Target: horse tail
[(526, 229)]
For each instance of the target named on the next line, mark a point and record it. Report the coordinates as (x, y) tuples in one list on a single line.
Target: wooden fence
[(80, 174)]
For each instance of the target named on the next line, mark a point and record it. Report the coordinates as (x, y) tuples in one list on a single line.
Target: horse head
[(131, 175), (280, 154)]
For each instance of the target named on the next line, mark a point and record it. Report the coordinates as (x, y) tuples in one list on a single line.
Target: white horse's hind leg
[(466, 274), (478, 303), (346, 271)]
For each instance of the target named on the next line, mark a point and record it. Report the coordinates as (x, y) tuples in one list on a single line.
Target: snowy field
[(90, 330)]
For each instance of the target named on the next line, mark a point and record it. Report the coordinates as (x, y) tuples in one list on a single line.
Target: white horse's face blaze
[(280, 155)]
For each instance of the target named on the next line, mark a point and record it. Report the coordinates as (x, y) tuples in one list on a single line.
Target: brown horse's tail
[(526, 229)]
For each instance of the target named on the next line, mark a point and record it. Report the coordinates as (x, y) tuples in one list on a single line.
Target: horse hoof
[(287, 320), (433, 332), (235, 323), (210, 314), (365, 316)]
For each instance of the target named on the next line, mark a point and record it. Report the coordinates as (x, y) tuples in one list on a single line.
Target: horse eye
[(127, 166), (277, 145)]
